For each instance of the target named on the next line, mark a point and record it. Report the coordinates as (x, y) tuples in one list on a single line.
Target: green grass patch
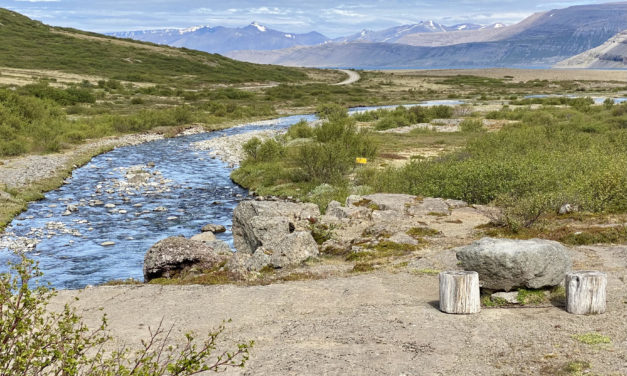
[(592, 338)]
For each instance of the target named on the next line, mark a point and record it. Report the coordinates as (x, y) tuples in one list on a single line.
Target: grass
[(592, 338)]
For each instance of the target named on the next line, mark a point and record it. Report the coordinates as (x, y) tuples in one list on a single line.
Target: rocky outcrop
[(266, 223), (504, 264), (176, 255), (272, 233)]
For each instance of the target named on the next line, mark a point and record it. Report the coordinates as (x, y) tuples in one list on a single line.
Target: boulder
[(504, 264), (213, 228), (174, 255), (292, 250), (265, 223), (204, 237)]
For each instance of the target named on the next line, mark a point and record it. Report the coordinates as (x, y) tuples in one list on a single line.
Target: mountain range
[(541, 40), (255, 36), (222, 39)]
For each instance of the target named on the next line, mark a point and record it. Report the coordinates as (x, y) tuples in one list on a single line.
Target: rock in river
[(504, 264)]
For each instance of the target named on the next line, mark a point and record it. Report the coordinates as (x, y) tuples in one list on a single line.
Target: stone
[(159, 209), (204, 237), (213, 228), (66, 213), (172, 256), (72, 208), (109, 206), (504, 264), (107, 243), (291, 250), (264, 223), (403, 238), (382, 201), (567, 209), (510, 297), (429, 205)]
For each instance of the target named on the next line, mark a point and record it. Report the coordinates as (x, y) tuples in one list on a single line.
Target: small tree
[(35, 341)]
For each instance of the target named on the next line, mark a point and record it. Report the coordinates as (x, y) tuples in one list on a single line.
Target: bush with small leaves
[(36, 341)]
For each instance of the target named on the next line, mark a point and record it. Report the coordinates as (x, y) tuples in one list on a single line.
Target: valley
[(309, 209)]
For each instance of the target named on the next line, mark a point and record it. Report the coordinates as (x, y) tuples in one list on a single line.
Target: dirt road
[(352, 77)]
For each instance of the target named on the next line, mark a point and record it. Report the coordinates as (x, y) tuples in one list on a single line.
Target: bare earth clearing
[(386, 323)]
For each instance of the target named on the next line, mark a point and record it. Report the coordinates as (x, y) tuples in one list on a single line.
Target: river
[(186, 189)]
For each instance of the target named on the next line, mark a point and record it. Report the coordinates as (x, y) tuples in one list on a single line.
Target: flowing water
[(186, 189)]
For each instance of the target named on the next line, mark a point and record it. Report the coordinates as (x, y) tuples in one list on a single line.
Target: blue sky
[(331, 17)]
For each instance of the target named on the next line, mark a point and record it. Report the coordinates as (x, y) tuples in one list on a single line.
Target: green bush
[(300, 130), (36, 341), (471, 125)]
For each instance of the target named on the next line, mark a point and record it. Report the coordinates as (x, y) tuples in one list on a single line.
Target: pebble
[(109, 206), (172, 218), (107, 244)]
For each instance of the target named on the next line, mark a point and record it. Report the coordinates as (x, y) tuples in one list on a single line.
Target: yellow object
[(361, 160)]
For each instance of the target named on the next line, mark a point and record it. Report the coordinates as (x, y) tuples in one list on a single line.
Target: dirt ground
[(383, 323)]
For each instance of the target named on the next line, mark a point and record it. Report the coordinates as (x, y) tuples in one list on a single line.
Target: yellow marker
[(361, 160)]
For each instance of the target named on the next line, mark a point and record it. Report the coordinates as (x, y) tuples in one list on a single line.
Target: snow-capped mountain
[(221, 39), (393, 34)]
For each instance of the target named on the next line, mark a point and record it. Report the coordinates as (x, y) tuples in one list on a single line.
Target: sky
[(333, 18)]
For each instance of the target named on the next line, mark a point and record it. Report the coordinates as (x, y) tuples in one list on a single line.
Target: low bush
[(36, 341)]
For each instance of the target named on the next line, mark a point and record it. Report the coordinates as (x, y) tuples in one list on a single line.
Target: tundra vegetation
[(539, 160)]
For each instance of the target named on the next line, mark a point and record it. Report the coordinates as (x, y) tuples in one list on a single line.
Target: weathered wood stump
[(585, 292), (459, 292)]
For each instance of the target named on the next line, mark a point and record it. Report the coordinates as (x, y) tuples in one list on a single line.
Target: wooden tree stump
[(585, 292), (459, 292)]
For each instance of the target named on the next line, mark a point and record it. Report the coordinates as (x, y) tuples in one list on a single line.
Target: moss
[(365, 203), (362, 267), (592, 338), (576, 367), (531, 297), (321, 232), (490, 302), (428, 271), (383, 249), (419, 232)]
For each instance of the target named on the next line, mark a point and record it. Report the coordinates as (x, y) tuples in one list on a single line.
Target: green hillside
[(30, 44)]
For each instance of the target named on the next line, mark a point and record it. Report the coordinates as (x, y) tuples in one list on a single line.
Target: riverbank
[(27, 178)]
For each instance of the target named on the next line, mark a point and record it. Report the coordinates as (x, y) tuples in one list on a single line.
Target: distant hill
[(30, 44), (224, 39), (542, 40), (611, 54)]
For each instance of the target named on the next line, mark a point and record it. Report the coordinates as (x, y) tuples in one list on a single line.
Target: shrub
[(300, 130), (36, 341), (471, 125)]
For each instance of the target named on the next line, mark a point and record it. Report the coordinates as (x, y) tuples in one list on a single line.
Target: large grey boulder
[(292, 250), (266, 223), (504, 264), (172, 256)]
